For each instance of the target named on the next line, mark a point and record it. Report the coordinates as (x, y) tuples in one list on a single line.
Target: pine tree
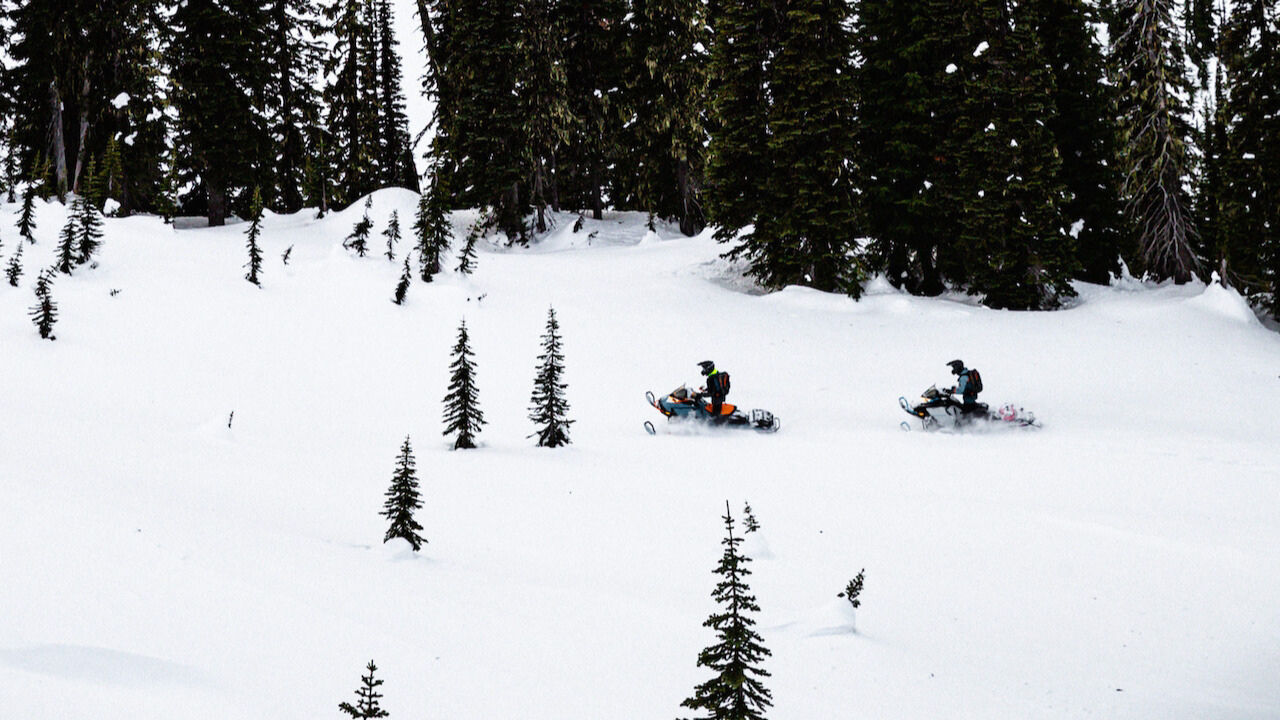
[(432, 227), (545, 97), (402, 287), (11, 161), (402, 500), (395, 162), (293, 100), (88, 228), (358, 240), (548, 408), (93, 188), (462, 413), (220, 78), (749, 523), (392, 234), (1086, 135), (367, 697), (167, 192), (665, 97), (351, 99), (467, 258), (110, 182), (45, 312), (254, 232), (736, 691), (13, 271), (67, 255), (804, 235), (738, 166), (1018, 253), (1155, 155), (27, 219)]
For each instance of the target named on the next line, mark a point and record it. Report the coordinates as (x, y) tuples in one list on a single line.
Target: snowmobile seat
[(725, 409)]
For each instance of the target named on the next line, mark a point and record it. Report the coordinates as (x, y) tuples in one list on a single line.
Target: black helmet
[(707, 367), (956, 366)]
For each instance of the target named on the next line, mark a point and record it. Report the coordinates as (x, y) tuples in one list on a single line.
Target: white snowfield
[(1121, 562)]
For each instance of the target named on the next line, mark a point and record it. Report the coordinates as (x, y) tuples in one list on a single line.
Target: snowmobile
[(681, 404), (939, 409)]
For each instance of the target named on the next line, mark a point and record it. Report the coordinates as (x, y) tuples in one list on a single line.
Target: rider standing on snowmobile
[(717, 386), (965, 387)]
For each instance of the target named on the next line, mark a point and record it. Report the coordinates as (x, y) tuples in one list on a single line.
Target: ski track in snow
[(1120, 563)]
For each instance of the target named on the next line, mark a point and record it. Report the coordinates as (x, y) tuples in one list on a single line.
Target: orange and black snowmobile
[(683, 405)]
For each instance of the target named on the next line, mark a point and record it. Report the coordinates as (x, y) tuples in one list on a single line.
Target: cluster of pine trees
[(189, 106), (1002, 147)]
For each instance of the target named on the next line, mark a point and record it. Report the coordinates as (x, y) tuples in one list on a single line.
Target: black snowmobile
[(939, 409), (682, 405)]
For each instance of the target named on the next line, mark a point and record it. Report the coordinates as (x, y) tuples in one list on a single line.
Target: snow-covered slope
[(1121, 562)]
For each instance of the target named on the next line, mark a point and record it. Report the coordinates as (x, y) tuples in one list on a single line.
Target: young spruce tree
[(367, 697), (88, 227), (45, 312), (358, 240), (392, 234), (254, 232), (735, 692), (431, 226), (403, 499), (13, 271), (27, 219), (548, 408), (402, 287), (462, 413), (65, 260)]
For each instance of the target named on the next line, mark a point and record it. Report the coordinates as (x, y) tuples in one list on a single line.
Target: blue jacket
[(962, 387)]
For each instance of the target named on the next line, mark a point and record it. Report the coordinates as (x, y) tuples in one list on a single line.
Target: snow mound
[(1224, 302)]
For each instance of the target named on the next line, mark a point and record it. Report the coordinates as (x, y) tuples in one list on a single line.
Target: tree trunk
[(217, 202), (81, 150), (57, 143)]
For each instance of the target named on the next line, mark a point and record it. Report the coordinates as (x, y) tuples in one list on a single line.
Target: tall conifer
[(462, 414), (252, 234), (44, 314), (402, 499), (548, 408), (431, 226)]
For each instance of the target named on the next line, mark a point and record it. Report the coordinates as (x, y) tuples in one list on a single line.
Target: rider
[(717, 386), (964, 386)]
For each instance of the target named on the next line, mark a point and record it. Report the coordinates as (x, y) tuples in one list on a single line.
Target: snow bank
[(1224, 302)]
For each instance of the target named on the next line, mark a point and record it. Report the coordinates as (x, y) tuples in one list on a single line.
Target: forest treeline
[(1001, 147)]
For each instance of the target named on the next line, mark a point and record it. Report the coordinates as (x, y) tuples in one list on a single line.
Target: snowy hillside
[(1121, 562)]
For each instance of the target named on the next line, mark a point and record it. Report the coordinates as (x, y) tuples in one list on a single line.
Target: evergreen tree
[(665, 97), (749, 523), (906, 137), (220, 77), (804, 235), (167, 192), (45, 312), (402, 287), (11, 162), (735, 692), (402, 500), (467, 258), (358, 240), (1153, 88), (351, 98), (1249, 185), (27, 218), (738, 167), (110, 182), (395, 162), (293, 100), (254, 232), (367, 697), (67, 255), (88, 228), (1086, 135), (93, 187), (545, 97), (548, 408), (432, 227), (462, 413), (1019, 255), (13, 271), (392, 234)]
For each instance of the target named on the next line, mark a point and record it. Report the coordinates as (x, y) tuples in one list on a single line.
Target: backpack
[(975, 382), (719, 381)]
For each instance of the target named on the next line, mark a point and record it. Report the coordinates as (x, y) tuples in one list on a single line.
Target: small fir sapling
[(548, 407), (735, 691), (402, 287), (93, 191), (254, 232), (462, 413), (111, 178), (392, 234), (88, 230), (27, 219), (45, 312), (467, 258), (13, 270), (67, 256), (288, 252), (402, 499), (432, 229), (853, 590), (367, 697), (358, 240), (749, 523), (167, 194)]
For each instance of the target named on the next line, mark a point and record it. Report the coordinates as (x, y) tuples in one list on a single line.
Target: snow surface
[(1119, 563)]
